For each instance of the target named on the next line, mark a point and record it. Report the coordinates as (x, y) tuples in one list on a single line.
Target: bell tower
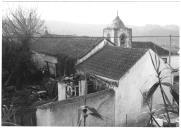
[(118, 34)]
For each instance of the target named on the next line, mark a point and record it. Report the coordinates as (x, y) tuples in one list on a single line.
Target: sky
[(131, 13)]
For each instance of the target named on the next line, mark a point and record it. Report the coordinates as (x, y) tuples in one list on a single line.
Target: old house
[(49, 47), (163, 53), (122, 79), (116, 70)]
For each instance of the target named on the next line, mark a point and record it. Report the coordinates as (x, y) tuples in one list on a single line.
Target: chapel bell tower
[(118, 34)]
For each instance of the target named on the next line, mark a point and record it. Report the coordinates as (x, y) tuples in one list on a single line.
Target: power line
[(84, 36), (91, 1), (155, 36)]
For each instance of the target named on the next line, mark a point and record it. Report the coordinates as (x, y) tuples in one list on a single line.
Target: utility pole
[(85, 95), (170, 50)]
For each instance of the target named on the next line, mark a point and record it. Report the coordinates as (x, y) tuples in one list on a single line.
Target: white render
[(61, 91), (140, 77), (175, 61)]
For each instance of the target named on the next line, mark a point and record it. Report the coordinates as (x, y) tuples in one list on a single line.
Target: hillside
[(64, 28)]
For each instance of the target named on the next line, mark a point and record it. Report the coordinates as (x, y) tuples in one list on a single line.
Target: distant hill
[(64, 28)]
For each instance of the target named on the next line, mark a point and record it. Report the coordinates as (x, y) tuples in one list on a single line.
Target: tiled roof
[(111, 62), (150, 45), (72, 46)]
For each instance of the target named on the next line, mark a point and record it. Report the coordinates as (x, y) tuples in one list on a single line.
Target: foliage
[(151, 91), (18, 30), (167, 104), (51, 86), (18, 70), (175, 95), (17, 66), (66, 65), (8, 114)]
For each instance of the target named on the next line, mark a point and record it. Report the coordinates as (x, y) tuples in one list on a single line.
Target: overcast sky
[(131, 13)]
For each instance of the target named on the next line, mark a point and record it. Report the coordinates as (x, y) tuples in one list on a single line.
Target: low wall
[(65, 113)]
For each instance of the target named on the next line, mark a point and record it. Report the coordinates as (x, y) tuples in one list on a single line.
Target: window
[(72, 90), (108, 37), (122, 38), (176, 79), (165, 60), (51, 68), (95, 85)]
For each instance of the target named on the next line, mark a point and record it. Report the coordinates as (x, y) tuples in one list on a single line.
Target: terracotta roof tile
[(150, 45), (73, 46), (111, 62)]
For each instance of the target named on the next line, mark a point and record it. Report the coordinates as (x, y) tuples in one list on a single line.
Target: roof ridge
[(151, 42), (129, 48)]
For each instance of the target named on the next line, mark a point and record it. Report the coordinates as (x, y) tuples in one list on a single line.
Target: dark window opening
[(176, 79), (95, 85), (108, 37), (122, 38), (165, 60), (49, 69)]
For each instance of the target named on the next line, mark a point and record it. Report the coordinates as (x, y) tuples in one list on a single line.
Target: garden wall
[(65, 112)]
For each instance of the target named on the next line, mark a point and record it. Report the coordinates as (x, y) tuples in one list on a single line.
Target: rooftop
[(157, 49), (72, 46), (112, 62)]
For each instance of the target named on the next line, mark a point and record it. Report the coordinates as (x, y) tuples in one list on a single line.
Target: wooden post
[(151, 110), (85, 89), (55, 70), (126, 121), (170, 50)]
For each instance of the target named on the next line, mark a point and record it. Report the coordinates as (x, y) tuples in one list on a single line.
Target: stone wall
[(65, 113)]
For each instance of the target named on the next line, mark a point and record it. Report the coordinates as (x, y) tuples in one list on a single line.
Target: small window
[(122, 38), (51, 68), (165, 60), (108, 37), (176, 79)]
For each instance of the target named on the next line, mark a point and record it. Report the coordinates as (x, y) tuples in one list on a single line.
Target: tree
[(19, 29), (22, 25)]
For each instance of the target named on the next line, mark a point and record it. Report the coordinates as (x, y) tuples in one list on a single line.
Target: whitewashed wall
[(44, 117), (175, 61), (65, 112), (61, 91), (128, 96)]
